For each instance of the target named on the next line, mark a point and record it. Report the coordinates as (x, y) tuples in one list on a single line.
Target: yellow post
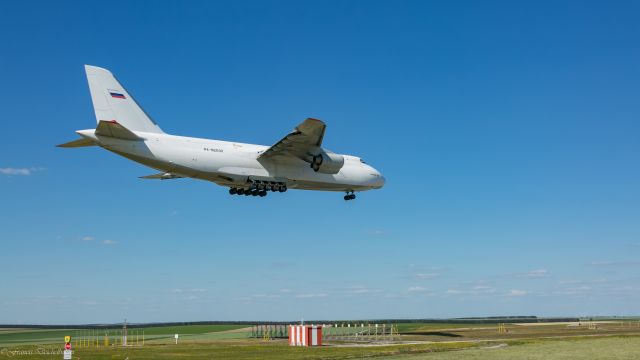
[(501, 328)]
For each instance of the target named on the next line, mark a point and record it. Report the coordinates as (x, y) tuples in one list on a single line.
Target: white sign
[(176, 336), (66, 355)]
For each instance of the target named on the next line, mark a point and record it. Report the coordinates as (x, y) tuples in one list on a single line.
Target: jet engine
[(327, 162)]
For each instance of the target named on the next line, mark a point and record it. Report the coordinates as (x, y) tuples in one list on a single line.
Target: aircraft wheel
[(240, 191), (232, 191), (263, 193), (247, 192), (255, 192), (352, 197), (347, 198)]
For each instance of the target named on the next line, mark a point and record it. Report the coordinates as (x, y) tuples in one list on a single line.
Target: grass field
[(417, 341), (161, 334), (604, 348)]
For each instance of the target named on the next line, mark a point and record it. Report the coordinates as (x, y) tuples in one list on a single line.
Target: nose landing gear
[(350, 195)]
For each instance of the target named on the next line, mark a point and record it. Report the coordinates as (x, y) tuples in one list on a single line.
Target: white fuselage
[(235, 164)]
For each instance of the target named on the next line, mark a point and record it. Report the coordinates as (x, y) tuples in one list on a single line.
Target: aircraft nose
[(377, 180)]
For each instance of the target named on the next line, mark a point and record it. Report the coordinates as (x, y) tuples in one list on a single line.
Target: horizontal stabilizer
[(115, 130), (161, 176), (78, 143)]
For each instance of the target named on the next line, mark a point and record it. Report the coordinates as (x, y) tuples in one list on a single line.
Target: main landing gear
[(350, 196), (259, 188)]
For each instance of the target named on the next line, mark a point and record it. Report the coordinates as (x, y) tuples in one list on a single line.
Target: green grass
[(232, 342), (158, 334), (32, 336), (419, 327), (605, 348), (188, 329), (579, 348), (249, 349)]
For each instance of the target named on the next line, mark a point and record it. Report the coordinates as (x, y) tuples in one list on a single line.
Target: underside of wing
[(161, 176), (301, 143)]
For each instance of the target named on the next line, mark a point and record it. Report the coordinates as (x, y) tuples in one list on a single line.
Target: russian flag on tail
[(117, 95)]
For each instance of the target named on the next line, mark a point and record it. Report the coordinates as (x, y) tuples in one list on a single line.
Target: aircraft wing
[(162, 176), (299, 143)]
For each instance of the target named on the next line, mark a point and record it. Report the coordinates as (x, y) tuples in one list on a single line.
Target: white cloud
[(361, 289), (416, 289), (426, 276), (195, 290), (516, 293), (87, 238), (109, 242), (580, 282), (478, 290), (19, 171), (482, 289), (538, 273), (311, 296)]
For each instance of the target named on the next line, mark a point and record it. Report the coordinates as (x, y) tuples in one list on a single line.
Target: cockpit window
[(362, 161)]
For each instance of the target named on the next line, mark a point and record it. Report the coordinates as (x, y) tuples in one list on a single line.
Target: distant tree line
[(469, 320)]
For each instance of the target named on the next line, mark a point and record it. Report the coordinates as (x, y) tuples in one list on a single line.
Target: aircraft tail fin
[(112, 102)]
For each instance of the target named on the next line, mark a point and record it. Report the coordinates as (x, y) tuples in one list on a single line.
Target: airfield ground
[(609, 340)]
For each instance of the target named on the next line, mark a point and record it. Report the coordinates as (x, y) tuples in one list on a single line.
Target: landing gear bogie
[(259, 188), (350, 196)]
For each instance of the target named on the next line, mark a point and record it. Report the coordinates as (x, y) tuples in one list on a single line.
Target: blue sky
[(507, 131)]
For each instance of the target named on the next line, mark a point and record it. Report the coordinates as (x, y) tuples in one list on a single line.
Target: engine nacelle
[(327, 162)]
